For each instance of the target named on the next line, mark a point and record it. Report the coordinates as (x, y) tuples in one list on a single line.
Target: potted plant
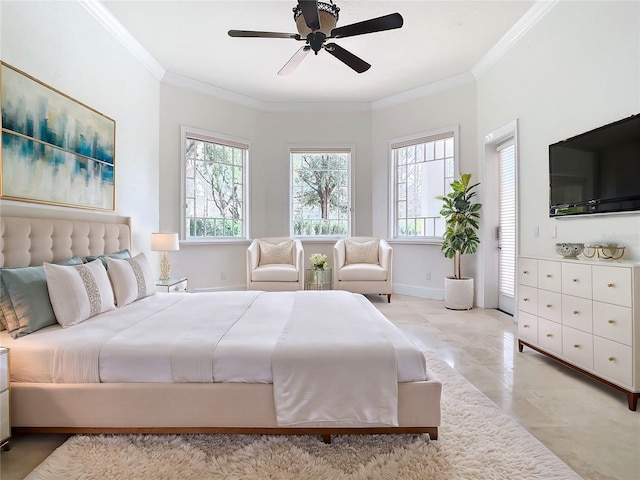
[(460, 212)]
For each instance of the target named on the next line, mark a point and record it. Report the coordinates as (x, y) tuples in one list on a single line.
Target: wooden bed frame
[(159, 407)]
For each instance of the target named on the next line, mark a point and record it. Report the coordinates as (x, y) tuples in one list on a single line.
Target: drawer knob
[(575, 280), (611, 322), (610, 285), (576, 312), (548, 275), (526, 299), (549, 335), (576, 346), (612, 359), (525, 326), (548, 305), (526, 272)]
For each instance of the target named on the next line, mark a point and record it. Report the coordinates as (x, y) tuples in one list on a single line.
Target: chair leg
[(388, 298)]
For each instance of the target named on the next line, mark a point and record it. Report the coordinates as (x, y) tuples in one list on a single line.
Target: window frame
[(332, 148), (414, 139), (214, 137)]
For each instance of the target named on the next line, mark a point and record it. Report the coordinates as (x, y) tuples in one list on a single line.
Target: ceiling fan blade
[(310, 13), (294, 61), (347, 57), (250, 33), (386, 22)]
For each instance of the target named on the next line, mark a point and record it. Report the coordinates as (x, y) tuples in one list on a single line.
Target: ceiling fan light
[(327, 14)]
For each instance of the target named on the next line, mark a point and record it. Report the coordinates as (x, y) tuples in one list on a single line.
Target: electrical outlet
[(223, 276), (428, 275)]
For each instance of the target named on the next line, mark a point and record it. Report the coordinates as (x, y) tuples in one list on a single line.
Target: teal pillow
[(103, 258), (24, 299)]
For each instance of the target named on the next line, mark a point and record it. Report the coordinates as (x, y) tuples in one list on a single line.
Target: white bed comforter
[(321, 350)]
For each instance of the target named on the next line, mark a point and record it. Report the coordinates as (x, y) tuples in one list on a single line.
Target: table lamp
[(164, 242)]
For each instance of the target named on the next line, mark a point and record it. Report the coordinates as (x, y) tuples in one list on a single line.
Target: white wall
[(413, 262), (62, 45), (270, 134), (577, 69)]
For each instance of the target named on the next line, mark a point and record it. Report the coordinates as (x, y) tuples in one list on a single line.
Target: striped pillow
[(131, 279), (78, 292)]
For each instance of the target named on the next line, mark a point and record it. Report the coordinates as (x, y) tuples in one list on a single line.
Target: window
[(320, 192), (215, 186), (422, 169)]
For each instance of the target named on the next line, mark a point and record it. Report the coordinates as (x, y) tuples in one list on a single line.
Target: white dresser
[(5, 427), (586, 315)]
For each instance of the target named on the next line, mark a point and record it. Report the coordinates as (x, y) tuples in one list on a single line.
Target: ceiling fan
[(316, 23)]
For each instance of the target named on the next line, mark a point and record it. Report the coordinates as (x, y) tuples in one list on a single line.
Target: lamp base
[(165, 267)]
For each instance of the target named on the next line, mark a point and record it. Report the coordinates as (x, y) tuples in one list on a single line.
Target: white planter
[(458, 293)]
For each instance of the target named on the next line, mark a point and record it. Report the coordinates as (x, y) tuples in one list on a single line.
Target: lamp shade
[(164, 242)]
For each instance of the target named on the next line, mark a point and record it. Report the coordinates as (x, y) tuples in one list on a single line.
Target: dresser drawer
[(613, 360), (612, 285), (528, 299), (577, 313), (528, 272), (550, 305), (550, 336), (577, 347), (576, 280), (4, 370), (527, 327), (550, 275), (613, 322)]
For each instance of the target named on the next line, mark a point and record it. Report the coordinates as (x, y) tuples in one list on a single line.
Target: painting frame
[(54, 150)]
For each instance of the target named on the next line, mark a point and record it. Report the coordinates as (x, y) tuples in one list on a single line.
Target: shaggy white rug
[(476, 441)]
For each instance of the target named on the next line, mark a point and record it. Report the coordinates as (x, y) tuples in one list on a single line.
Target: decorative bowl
[(569, 250)]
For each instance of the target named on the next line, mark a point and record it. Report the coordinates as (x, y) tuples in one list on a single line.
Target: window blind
[(507, 219)]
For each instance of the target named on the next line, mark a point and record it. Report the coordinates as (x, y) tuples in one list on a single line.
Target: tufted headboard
[(31, 241)]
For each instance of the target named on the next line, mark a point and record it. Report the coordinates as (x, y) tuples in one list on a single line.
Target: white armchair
[(363, 265), (274, 264)]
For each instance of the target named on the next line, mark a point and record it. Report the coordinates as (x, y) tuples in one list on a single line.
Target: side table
[(179, 284), (318, 279)]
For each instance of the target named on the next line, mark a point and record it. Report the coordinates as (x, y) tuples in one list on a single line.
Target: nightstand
[(178, 284), (5, 425)]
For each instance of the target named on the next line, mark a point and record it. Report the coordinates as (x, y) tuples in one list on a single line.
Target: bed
[(224, 362)]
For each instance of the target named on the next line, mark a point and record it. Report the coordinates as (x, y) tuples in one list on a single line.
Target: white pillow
[(361, 252), (276, 252), (78, 292), (131, 278)]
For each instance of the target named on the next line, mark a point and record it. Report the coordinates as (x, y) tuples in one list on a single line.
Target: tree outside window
[(320, 192), (214, 189)]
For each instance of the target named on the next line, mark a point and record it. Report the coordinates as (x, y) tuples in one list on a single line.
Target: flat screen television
[(597, 171)]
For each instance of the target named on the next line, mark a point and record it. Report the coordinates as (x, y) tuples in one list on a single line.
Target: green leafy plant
[(460, 212)]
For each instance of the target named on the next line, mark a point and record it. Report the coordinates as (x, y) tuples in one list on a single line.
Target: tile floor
[(583, 422)]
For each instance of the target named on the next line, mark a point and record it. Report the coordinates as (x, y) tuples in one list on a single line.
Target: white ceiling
[(439, 40)]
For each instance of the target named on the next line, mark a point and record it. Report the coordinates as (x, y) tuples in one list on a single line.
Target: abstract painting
[(55, 150)]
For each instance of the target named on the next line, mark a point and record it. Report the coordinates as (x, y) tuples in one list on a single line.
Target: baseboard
[(422, 292), (229, 288)]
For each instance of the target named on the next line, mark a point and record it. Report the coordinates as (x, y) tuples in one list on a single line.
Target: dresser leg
[(520, 346), (632, 400), (6, 447)]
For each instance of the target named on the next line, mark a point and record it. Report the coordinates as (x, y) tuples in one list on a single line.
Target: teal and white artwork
[(54, 149)]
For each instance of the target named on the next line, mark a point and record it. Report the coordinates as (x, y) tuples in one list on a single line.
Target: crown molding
[(424, 91), (176, 80), (115, 28), (538, 10), (95, 7)]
